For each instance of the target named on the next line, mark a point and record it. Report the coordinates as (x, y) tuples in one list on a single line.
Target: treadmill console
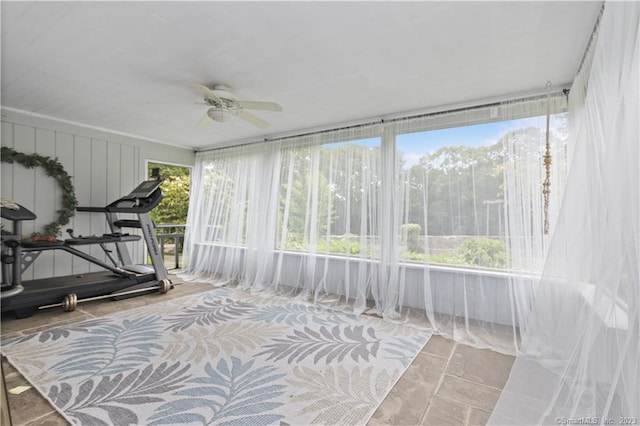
[(145, 189), (142, 199)]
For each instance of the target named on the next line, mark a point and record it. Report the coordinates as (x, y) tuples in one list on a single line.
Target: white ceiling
[(127, 66)]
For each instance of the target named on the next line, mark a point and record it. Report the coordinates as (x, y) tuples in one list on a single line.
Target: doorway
[(170, 217)]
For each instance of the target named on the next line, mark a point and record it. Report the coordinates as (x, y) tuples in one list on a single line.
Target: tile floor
[(447, 384)]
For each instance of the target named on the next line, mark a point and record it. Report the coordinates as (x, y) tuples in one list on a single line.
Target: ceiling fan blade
[(174, 103), (258, 122), (204, 121), (205, 91), (265, 106)]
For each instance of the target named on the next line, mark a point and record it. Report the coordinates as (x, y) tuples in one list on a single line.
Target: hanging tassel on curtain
[(546, 191)]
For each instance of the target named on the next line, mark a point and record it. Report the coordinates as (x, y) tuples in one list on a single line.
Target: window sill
[(436, 267)]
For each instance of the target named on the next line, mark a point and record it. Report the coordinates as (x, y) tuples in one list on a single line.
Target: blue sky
[(422, 142), (413, 146)]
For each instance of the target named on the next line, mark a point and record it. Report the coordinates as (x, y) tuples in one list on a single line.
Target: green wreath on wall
[(54, 169)]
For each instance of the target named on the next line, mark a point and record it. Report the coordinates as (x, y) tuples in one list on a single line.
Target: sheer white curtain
[(328, 236), (232, 214), (580, 354), (297, 216), (527, 243), (409, 219), (475, 196)]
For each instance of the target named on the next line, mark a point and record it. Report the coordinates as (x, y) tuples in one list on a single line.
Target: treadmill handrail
[(22, 213), (92, 209)]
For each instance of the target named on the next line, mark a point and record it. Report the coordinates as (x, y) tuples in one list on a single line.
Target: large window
[(452, 186), (328, 198), (461, 188), (224, 199)]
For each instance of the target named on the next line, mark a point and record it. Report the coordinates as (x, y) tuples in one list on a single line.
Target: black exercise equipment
[(120, 279)]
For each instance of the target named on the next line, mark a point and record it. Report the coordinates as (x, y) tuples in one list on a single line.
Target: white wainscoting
[(482, 294)]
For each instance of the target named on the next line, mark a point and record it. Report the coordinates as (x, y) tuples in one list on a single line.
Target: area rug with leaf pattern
[(223, 357)]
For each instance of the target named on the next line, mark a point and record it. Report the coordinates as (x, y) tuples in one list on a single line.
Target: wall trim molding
[(13, 115)]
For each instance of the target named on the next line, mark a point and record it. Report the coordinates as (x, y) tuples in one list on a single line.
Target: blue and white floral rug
[(224, 357)]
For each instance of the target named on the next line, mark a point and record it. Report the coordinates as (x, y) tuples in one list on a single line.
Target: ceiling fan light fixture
[(224, 105), (218, 115)]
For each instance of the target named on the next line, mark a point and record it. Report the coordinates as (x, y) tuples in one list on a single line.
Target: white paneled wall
[(103, 167)]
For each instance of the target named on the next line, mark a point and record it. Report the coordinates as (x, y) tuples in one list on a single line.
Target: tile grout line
[(466, 403), (87, 313), (435, 355), (37, 419), (467, 418), (475, 383), (444, 372)]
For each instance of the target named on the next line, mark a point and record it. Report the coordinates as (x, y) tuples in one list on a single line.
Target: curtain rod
[(555, 93), (592, 38)]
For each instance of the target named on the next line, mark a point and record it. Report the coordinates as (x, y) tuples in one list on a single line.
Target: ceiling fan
[(224, 104)]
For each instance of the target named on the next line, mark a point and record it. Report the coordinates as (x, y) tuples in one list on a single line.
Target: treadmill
[(118, 279)]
